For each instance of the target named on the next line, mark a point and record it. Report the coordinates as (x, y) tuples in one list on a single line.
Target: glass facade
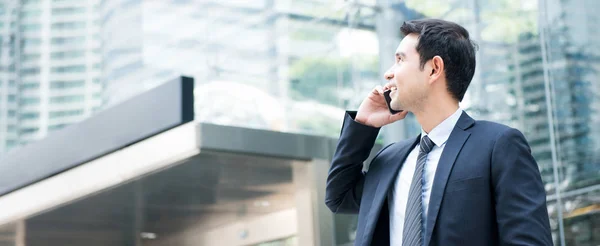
[(296, 65), (570, 41), (41, 42)]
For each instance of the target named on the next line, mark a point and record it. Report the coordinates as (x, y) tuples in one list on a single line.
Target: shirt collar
[(440, 134)]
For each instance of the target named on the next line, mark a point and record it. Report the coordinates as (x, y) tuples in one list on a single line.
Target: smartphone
[(388, 100)]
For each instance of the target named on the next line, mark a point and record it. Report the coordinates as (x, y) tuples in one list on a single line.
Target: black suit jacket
[(487, 188)]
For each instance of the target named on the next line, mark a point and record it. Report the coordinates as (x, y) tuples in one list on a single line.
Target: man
[(461, 182)]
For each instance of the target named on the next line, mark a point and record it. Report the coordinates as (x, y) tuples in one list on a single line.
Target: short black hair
[(451, 42)]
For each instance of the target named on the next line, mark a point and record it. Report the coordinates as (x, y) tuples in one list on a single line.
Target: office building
[(282, 51), (51, 67), (290, 66)]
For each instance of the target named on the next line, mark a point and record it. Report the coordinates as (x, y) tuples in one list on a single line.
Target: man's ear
[(437, 67)]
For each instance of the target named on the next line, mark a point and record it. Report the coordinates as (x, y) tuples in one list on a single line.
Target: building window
[(66, 99), (11, 128), (30, 57), (30, 2), (66, 84), (57, 114), (11, 144), (31, 42), (67, 54), (31, 27), (68, 25), (69, 40), (56, 127), (30, 116), (67, 10), (30, 71), (68, 69), (31, 13), (29, 130), (30, 86), (30, 101)]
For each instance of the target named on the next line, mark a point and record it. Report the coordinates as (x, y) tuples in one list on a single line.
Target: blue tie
[(412, 234)]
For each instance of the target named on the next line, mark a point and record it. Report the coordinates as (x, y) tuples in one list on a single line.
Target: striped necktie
[(413, 221)]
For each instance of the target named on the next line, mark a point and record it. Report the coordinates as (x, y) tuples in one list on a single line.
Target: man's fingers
[(378, 90), (388, 85), (398, 116)]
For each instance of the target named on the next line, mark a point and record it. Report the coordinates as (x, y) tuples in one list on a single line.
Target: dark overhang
[(152, 112)]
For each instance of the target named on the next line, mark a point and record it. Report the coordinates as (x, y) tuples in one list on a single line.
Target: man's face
[(408, 77)]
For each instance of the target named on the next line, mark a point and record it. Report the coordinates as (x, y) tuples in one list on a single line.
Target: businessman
[(461, 181)]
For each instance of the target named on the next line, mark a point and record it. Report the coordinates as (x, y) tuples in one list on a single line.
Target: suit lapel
[(389, 171), (455, 142)]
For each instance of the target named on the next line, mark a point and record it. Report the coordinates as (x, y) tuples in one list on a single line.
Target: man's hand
[(373, 110)]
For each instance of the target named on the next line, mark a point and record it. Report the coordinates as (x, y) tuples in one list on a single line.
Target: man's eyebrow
[(400, 54)]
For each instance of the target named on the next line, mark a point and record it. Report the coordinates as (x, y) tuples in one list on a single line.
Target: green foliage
[(500, 20), (320, 126), (322, 79), (318, 78), (307, 34)]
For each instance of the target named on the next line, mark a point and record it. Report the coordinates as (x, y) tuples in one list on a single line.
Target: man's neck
[(434, 113)]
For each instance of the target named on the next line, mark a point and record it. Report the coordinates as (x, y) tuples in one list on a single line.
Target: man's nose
[(389, 74)]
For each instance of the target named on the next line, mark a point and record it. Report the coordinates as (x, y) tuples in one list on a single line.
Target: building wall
[(8, 77), (52, 51)]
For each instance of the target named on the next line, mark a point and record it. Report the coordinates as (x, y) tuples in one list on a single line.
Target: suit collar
[(465, 121), (440, 134)]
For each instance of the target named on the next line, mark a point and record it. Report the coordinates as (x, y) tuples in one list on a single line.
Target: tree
[(327, 79)]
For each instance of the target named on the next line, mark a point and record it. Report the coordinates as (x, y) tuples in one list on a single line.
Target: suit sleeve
[(345, 179), (520, 198)]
